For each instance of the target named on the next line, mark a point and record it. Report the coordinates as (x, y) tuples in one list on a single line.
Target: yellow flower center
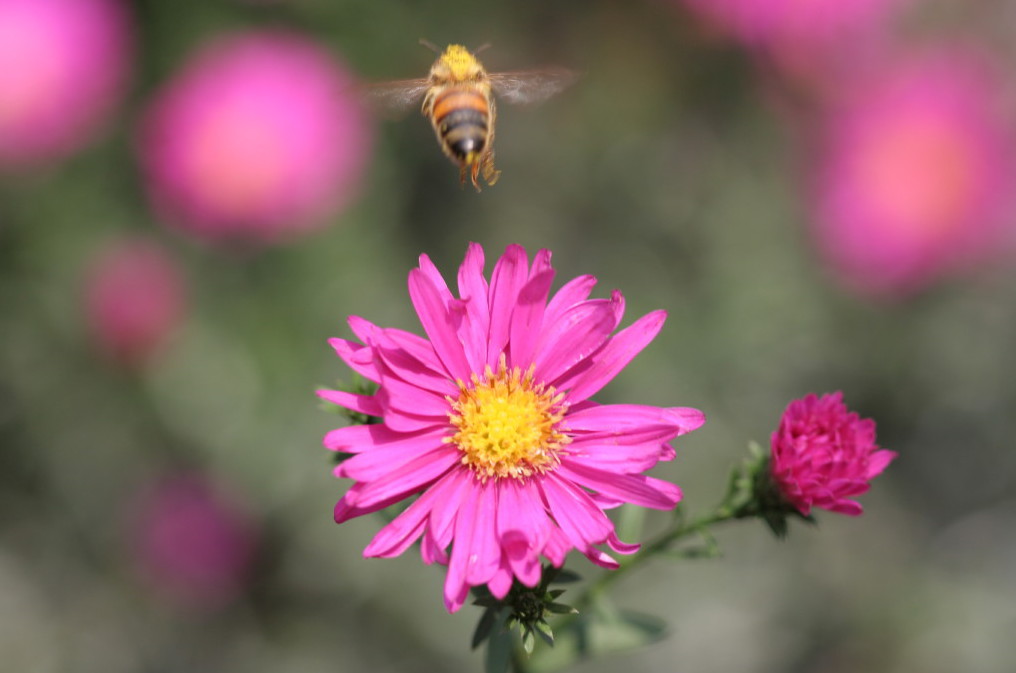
[(506, 426)]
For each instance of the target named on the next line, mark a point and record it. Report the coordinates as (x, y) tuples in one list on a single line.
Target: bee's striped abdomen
[(461, 117)]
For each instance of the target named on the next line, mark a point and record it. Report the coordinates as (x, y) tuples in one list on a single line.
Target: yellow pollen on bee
[(459, 61), (506, 425)]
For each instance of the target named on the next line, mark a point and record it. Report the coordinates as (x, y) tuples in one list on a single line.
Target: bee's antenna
[(483, 47), (430, 45)]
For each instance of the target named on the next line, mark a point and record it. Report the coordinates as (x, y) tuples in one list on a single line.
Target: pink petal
[(848, 507), (360, 358), (438, 323), (455, 595), (541, 263), (473, 290), (507, 279), (379, 461), (345, 511), (582, 522), (364, 404), (501, 583), (430, 551), (621, 547), (409, 399), (400, 363), (415, 346), (614, 356), (465, 554), (600, 558), (628, 459), (631, 436), (455, 487), (357, 438), (878, 461), (523, 528), (578, 333), (574, 291), (405, 479), (619, 417), (394, 538), (404, 529), (637, 489), (437, 280), (527, 318), (486, 556), (557, 547), (405, 421), (363, 329)]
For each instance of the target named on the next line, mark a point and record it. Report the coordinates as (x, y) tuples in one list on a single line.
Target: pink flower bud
[(135, 297), (63, 66), (822, 454), (258, 138)]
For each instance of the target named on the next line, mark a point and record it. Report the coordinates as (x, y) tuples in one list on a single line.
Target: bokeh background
[(192, 200)]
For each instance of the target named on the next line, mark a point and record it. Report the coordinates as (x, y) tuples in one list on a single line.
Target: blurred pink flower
[(795, 24), (822, 454), (63, 66), (915, 173), (258, 138), (194, 543), (490, 419), (135, 298)]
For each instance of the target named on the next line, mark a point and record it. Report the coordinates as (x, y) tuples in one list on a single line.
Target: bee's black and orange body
[(458, 99), (461, 108)]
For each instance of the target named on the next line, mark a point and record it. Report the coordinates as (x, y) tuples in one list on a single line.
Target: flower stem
[(660, 544)]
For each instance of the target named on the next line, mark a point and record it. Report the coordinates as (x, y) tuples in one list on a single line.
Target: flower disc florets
[(506, 424)]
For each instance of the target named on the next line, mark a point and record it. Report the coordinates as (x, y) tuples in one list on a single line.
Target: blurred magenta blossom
[(259, 137), (822, 454), (193, 542), (915, 173), (63, 66), (135, 298), (795, 25)]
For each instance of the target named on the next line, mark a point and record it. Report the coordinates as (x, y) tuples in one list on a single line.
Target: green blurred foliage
[(666, 174)]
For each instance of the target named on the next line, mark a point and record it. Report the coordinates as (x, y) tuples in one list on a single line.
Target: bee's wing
[(531, 86), (395, 97)]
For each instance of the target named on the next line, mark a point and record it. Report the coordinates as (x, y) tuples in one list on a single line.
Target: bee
[(458, 99)]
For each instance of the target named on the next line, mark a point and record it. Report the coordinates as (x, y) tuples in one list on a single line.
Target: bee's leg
[(463, 169), (474, 170), (490, 174)]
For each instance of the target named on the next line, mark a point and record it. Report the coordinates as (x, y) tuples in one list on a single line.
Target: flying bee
[(458, 99)]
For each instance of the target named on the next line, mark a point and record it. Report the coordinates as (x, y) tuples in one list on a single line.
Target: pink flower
[(258, 138), (915, 174), (194, 543), (794, 24), (135, 298), (822, 454), (489, 418), (63, 66)]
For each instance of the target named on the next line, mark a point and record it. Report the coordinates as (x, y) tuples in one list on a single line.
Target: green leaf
[(560, 609), (499, 652), (545, 632), (528, 641), (565, 576), (487, 622)]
